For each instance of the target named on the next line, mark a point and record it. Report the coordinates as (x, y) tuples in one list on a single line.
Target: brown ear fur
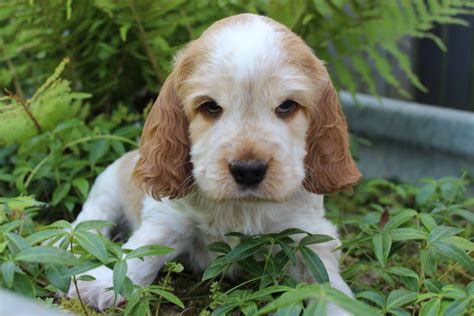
[(164, 167), (329, 163)]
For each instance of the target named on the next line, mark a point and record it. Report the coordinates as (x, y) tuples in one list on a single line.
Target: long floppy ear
[(329, 164), (164, 167)]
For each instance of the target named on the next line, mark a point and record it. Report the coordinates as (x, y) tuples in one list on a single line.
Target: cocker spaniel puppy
[(246, 135)]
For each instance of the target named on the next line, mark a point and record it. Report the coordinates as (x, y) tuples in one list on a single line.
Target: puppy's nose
[(248, 172)]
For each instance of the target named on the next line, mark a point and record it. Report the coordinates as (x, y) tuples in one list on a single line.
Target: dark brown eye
[(211, 108), (286, 108)]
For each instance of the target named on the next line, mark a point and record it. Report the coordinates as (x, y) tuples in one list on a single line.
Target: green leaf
[(373, 297), (314, 264), (399, 219), (290, 310), (246, 248), (60, 193), (82, 185), (58, 276), (399, 234), (458, 307), (219, 246), (403, 272), (289, 252), (98, 149), (86, 278), (426, 193), (44, 254), (442, 232), (170, 297), (428, 221), (45, 234), (93, 224), (381, 244), (16, 243), (215, 268), (5, 228), (8, 272), (350, 304), (398, 298), (454, 253), (119, 274), (93, 244), (314, 239), (461, 243), (260, 294), (317, 307), (149, 250)]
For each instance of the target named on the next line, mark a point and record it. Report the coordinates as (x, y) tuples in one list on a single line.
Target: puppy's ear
[(329, 164), (164, 167)]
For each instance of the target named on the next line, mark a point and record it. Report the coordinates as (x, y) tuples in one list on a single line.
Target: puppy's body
[(245, 136)]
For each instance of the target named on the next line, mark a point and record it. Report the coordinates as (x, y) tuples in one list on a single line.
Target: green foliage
[(120, 50)]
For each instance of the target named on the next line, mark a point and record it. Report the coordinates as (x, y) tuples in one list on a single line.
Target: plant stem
[(89, 138), (24, 105), (74, 280)]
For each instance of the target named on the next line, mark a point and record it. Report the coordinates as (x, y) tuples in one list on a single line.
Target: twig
[(24, 104), (16, 81)]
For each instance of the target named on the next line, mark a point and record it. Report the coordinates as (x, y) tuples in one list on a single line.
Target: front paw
[(98, 292)]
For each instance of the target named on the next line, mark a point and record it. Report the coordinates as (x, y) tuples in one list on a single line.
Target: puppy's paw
[(97, 292)]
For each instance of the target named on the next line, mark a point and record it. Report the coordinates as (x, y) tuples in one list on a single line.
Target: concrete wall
[(410, 140)]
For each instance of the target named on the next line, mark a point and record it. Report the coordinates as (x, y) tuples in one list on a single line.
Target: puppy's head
[(247, 112)]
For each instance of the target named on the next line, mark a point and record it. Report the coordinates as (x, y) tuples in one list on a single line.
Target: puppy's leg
[(163, 230), (112, 197)]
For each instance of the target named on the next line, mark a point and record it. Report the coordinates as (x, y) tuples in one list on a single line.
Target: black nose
[(248, 172)]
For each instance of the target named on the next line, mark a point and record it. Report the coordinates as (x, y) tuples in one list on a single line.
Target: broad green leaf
[(45, 234), (82, 185), (314, 239), (246, 248), (215, 268), (314, 264), (467, 215), (93, 224), (374, 297), (381, 244), (399, 219), (288, 298), (350, 304), (403, 272), (428, 221), (426, 193), (5, 228), (290, 310), (461, 243), (149, 250), (93, 244), (398, 298), (268, 291), (8, 272), (316, 307), (86, 277), (60, 193), (219, 246), (24, 285), (399, 234), (170, 297), (289, 252), (58, 276), (45, 254), (454, 253), (61, 224), (16, 243), (98, 149), (119, 274), (454, 291), (458, 307), (442, 232)]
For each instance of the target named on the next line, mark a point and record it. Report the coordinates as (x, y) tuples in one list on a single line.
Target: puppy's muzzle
[(248, 172)]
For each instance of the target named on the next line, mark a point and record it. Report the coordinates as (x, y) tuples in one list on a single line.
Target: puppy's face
[(248, 112)]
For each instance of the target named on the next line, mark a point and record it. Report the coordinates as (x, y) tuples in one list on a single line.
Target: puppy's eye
[(286, 108), (210, 108)]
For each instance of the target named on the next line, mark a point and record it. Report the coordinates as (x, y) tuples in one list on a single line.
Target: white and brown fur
[(177, 190)]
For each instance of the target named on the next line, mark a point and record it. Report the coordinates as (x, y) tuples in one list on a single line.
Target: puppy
[(246, 135)]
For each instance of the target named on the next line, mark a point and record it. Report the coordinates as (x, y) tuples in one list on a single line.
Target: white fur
[(246, 74)]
